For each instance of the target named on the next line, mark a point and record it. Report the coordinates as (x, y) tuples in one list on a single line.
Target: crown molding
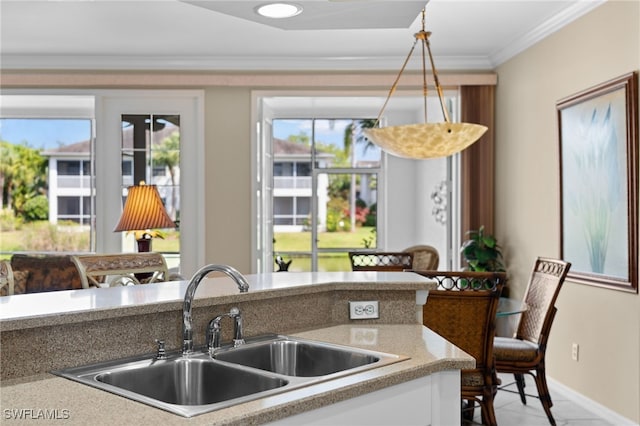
[(544, 30), (25, 79), (198, 63), (294, 63)]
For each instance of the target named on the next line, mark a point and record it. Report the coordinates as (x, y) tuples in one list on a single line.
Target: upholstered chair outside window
[(425, 257)]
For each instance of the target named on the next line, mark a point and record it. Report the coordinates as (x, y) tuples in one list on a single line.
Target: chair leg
[(468, 408), (489, 414), (543, 392), (520, 383), (487, 410)]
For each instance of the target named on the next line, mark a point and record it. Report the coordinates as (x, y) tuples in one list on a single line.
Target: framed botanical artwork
[(598, 131)]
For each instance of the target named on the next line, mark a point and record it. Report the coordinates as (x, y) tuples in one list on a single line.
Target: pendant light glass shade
[(428, 140)]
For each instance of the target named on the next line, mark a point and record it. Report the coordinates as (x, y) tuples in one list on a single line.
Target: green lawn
[(11, 241), (301, 241), (42, 237), (287, 243)]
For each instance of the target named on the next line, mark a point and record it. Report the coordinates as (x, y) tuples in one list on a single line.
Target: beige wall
[(602, 45), (228, 177)]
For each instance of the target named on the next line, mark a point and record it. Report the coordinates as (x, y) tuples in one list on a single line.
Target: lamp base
[(144, 245)]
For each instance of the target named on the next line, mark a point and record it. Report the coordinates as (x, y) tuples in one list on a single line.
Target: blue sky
[(327, 132), (49, 134), (282, 128), (45, 134)]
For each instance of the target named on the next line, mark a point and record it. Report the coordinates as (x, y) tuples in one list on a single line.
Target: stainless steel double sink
[(198, 383)]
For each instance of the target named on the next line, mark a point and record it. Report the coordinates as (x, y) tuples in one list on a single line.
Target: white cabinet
[(429, 400)]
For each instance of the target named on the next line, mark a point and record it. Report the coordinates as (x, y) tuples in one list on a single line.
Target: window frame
[(189, 104), (262, 232), (393, 232), (106, 111)]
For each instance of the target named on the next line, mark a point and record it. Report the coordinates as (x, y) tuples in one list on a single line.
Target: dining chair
[(6, 278), (425, 257), (380, 261), (525, 352), (463, 310), (99, 270)]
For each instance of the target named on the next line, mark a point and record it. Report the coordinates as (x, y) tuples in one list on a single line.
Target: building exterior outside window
[(324, 192), (292, 190)]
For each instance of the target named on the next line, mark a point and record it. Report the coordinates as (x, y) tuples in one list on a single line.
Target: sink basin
[(184, 386), (197, 384), (186, 381), (298, 358)]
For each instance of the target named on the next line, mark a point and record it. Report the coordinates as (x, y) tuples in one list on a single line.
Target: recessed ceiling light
[(279, 10)]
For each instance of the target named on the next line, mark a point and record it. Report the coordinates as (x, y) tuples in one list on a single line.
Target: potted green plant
[(482, 252)]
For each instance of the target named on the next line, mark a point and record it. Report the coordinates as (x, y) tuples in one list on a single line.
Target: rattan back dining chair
[(380, 261), (525, 352), (6, 278), (98, 270), (463, 310), (425, 257)]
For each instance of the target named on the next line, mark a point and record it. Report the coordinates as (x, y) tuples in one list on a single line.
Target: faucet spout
[(187, 321)]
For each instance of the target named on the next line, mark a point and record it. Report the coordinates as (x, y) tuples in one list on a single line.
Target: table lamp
[(143, 211)]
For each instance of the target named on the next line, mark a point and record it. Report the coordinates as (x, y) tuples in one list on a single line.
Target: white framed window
[(406, 210), (47, 174), (103, 195)]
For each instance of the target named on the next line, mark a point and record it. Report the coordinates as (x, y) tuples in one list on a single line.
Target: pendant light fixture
[(428, 140)]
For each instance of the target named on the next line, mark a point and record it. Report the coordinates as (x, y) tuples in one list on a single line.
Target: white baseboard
[(589, 404)]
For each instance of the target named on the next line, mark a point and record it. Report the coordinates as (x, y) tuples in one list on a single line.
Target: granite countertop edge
[(154, 306)]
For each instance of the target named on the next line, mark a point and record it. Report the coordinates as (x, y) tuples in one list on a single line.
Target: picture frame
[(598, 141)]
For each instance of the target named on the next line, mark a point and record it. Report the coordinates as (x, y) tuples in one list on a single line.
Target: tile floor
[(511, 412)]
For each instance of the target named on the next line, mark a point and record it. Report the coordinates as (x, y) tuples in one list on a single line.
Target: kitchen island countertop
[(75, 403)]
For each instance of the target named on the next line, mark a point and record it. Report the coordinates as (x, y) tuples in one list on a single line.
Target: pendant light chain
[(437, 82), (395, 83)]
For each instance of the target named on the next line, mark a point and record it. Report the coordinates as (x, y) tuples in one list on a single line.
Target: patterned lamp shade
[(143, 210)]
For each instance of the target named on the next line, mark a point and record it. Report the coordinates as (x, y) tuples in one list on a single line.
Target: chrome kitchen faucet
[(187, 321)]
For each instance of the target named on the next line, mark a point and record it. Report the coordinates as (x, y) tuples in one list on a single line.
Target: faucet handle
[(213, 334), (238, 334), (162, 353)]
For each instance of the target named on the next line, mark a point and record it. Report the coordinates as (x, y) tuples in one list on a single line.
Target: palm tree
[(6, 166), (352, 132), (23, 174)]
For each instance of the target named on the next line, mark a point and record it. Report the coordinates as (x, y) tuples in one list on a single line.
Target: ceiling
[(228, 35)]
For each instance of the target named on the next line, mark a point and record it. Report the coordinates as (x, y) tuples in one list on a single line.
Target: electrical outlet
[(364, 310), (574, 351)]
